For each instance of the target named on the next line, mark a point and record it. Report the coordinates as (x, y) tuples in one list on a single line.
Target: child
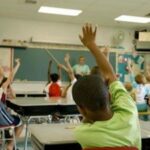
[(53, 89), (9, 93), (6, 119), (67, 93), (107, 123), (148, 78), (141, 94)]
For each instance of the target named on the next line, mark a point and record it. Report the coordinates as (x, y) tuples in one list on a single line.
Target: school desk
[(53, 136), (145, 133), (29, 107), (60, 136)]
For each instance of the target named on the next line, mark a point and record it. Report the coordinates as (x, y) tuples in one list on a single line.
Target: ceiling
[(101, 12)]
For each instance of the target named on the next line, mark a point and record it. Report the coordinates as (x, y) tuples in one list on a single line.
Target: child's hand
[(17, 60), (67, 58), (60, 66), (89, 35)]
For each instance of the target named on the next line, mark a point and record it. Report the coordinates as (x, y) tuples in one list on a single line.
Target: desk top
[(145, 129), (63, 133), (39, 106), (53, 133), (36, 101)]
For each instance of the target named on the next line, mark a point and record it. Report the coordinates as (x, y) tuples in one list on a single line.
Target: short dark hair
[(77, 76), (95, 70), (91, 92), (139, 79), (54, 77)]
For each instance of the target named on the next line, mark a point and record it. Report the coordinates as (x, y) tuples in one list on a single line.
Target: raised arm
[(49, 71), (105, 51), (8, 81), (88, 39), (70, 70), (15, 69)]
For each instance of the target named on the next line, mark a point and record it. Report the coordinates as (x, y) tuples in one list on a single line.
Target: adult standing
[(81, 68)]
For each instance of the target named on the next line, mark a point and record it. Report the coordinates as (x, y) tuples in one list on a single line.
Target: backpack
[(54, 90)]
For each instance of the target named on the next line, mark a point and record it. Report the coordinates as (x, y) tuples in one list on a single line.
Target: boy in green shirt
[(110, 114)]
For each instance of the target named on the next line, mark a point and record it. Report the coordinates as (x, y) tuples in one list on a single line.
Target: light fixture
[(134, 19), (59, 11)]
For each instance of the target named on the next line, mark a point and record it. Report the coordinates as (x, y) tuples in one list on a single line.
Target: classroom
[(74, 75)]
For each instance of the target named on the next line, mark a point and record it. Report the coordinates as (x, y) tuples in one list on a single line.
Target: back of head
[(128, 86), (95, 70), (54, 77), (77, 76), (140, 79), (91, 92)]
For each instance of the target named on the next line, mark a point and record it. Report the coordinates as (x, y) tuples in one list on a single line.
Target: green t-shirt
[(121, 130)]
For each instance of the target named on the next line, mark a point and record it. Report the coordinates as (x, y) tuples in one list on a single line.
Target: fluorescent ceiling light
[(133, 19), (59, 11)]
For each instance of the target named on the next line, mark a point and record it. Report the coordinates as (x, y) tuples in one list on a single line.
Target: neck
[(102, 115)]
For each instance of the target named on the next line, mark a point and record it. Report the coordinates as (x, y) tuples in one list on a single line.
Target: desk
[(27, 107), (53, 136), (33, 106)]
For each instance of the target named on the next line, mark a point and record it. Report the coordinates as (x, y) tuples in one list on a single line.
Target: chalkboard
[(34, 62)]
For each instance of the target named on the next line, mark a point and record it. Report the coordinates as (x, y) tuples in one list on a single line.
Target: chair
[(112, 148), (4, 139)]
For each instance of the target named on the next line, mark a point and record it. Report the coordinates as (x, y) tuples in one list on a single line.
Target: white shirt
[(140, 93), (69, 96)]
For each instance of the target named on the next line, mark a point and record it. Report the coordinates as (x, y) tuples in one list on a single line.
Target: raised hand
[(17, 60), (89, 35), (67, 58)]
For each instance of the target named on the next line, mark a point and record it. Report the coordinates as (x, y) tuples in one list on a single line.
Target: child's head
[(77, 76), (95, 70), (140, 79), (128, 86), (90, 92), (54, 77)]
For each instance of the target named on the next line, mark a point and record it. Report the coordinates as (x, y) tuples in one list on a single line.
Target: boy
[(53, 88), (107, 123)]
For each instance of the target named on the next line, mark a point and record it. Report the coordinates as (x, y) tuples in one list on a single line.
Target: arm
[(88, 39), (16, 68), (105, 51), (7, 82), (10, 93), (49, 71), (59, 71), (70, 70)]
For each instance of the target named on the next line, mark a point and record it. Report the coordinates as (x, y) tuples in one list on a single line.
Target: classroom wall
[(19, 29)]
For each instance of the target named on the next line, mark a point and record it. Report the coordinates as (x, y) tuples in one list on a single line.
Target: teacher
[(81, 68)]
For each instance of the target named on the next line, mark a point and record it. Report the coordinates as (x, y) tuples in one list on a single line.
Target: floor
[(20, 144)]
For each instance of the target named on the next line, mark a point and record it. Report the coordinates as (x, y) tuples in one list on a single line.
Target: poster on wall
[(6, 56)]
